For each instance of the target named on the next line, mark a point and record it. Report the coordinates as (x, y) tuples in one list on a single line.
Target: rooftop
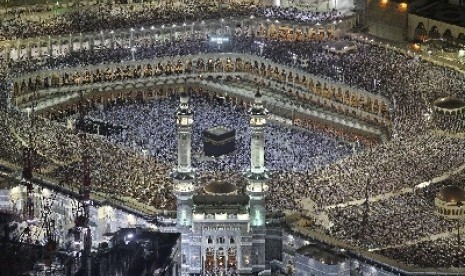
[(219, 130), (220, 187), (448, 13), (320, 254), (451, 193), (221, 200), (449, 103), (229, 204)]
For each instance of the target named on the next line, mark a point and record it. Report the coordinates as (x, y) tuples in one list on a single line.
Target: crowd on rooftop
[(104, 17)]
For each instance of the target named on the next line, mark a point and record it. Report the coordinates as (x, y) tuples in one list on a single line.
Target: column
[(60, 46), (18, 51), (215, 251), (225, 259), (70, 44), (7, 52), (113, 40), (91, 42), (28, 51), (131, 38), (239, 256)]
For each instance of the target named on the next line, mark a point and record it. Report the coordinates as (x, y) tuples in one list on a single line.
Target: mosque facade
[(222, 230)]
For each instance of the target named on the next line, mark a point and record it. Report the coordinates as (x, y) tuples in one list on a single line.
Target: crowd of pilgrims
[(392, 221), (441, 250), (416, 153), (435, 253), (151, 126), (105, 17)]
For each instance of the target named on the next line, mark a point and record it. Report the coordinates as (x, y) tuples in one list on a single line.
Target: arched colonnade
[(42, 47), (296, 83)]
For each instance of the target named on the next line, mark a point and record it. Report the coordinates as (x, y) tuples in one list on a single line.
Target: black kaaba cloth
[(218, 141)]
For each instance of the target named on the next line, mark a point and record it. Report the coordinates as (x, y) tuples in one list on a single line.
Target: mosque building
[(221, 229)]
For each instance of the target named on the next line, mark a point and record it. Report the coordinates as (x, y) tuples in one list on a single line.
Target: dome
[(217, 187), (451, 194), (449, 103)]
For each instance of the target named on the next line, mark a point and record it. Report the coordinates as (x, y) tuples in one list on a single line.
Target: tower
[(82, 230), (256, 178), (27, 174), (183, 177)]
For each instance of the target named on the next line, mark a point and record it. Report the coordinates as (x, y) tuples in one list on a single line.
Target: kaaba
[(218, 141)]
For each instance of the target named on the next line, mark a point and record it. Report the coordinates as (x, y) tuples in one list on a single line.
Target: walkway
[(322, 217), (310, 205)]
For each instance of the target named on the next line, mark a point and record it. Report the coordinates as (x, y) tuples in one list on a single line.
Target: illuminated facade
[(222, 230), (340, 5), (256, 178), (183, 177)]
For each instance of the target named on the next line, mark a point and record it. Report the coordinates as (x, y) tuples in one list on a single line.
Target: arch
[(200, 65), (434, 33), (219, 64), (149, 84), (210, 65), (420, 32), (188, 66), (239, 65), (273, 32), (178, 67), (228, 65), (129, 85), (448, 35), (148, 70), (169, 68)]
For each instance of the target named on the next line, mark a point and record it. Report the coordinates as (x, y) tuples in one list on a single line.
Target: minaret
[(183, 175), (257, 175), (256, 178)]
